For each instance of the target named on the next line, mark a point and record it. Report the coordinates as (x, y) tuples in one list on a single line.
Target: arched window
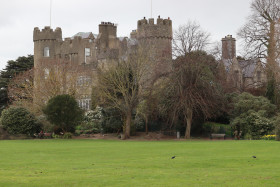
[(46, 52)]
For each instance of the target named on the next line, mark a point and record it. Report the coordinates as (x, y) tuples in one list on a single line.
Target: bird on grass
[(173, 157), (254, 156)]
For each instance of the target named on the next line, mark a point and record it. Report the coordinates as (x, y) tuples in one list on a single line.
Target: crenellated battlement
[(148, 28), (47, 34)]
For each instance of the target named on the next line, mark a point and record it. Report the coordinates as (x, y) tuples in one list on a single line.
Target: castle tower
[(228, 47), (107, 31), (159, 35), (46, 42)]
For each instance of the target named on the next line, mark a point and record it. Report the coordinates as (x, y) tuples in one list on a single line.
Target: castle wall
[(86, 53)]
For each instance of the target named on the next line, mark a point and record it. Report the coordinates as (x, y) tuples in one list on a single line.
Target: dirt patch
[(138, 136)]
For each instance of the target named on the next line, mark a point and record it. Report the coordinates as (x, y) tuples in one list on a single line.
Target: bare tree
[(120, 85), (190, 37), (191, 88), (216, 50), (261, 32), (50, 78)]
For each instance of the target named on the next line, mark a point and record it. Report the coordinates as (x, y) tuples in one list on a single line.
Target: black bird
[(173, 157), (254, 156)]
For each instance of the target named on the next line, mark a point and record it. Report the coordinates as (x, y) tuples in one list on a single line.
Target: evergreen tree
[(13, 68)]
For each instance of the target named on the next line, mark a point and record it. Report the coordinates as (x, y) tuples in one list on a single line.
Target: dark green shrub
[(111, 121), (253, 124), (64, 112), (252, 116), (277, 127), (92, 121), (216, 128), (277, 130), (20, 121), (67, 135)]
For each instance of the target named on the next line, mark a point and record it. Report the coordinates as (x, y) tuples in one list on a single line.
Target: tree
[(189, 37), (120, 85), (252, 115), (33, 88), (19, 121), (64, 112), (191, 88), (262, 38), (13, 68)]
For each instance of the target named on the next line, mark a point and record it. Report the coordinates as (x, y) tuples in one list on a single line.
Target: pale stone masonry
[(241, 74), (90, 51)]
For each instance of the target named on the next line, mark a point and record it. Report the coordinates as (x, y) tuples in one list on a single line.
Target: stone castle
[(90, 51), (242, 75)]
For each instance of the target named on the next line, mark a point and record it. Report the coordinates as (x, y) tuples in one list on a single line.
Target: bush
[(268, 137), (20, 121), (64, 112), (251, 115), (67, 135), (111, 120), (92, 121), (216, 128), (254, 124), (277, 127)]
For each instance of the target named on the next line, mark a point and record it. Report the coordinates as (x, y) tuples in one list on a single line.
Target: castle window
[(84, 81), (87, 52), (84, 103), (46, 52)]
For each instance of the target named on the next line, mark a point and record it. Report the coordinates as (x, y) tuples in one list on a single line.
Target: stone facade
[(242, 75), (90, 51)]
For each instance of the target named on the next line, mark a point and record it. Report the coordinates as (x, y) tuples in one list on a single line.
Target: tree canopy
[(13, 68), (64, 112), (191, 88), (19, 121), (252, 115)]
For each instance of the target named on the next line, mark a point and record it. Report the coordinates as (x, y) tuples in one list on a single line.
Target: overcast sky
[(19, 17)]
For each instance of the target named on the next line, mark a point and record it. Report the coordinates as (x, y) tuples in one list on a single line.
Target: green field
[(139, 163)]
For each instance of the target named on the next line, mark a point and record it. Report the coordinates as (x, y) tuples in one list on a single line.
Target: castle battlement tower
[(46, 41), (148, 29), (158, 35), (107, 31), (228, 47)]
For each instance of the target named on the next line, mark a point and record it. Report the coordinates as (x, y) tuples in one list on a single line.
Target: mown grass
[(139, 163)]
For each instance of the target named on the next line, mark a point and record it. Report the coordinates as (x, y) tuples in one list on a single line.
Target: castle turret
[(228, 47), (158, 34), (45, 43), (107, 31)]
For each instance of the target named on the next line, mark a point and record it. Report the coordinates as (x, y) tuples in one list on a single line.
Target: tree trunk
[(146, 123), (188, 118), (271, 65), (127, 125)]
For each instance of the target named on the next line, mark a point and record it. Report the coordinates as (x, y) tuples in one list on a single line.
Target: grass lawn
[(139, 163)]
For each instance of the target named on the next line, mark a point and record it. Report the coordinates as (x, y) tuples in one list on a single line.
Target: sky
[(19, 17)]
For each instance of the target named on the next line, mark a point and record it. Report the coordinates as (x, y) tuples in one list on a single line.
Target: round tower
[(46, 42), (228, 47), (159, 37), (158, 34)]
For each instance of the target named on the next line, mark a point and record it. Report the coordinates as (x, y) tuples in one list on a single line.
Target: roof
[(84, 35), (248, 66)]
